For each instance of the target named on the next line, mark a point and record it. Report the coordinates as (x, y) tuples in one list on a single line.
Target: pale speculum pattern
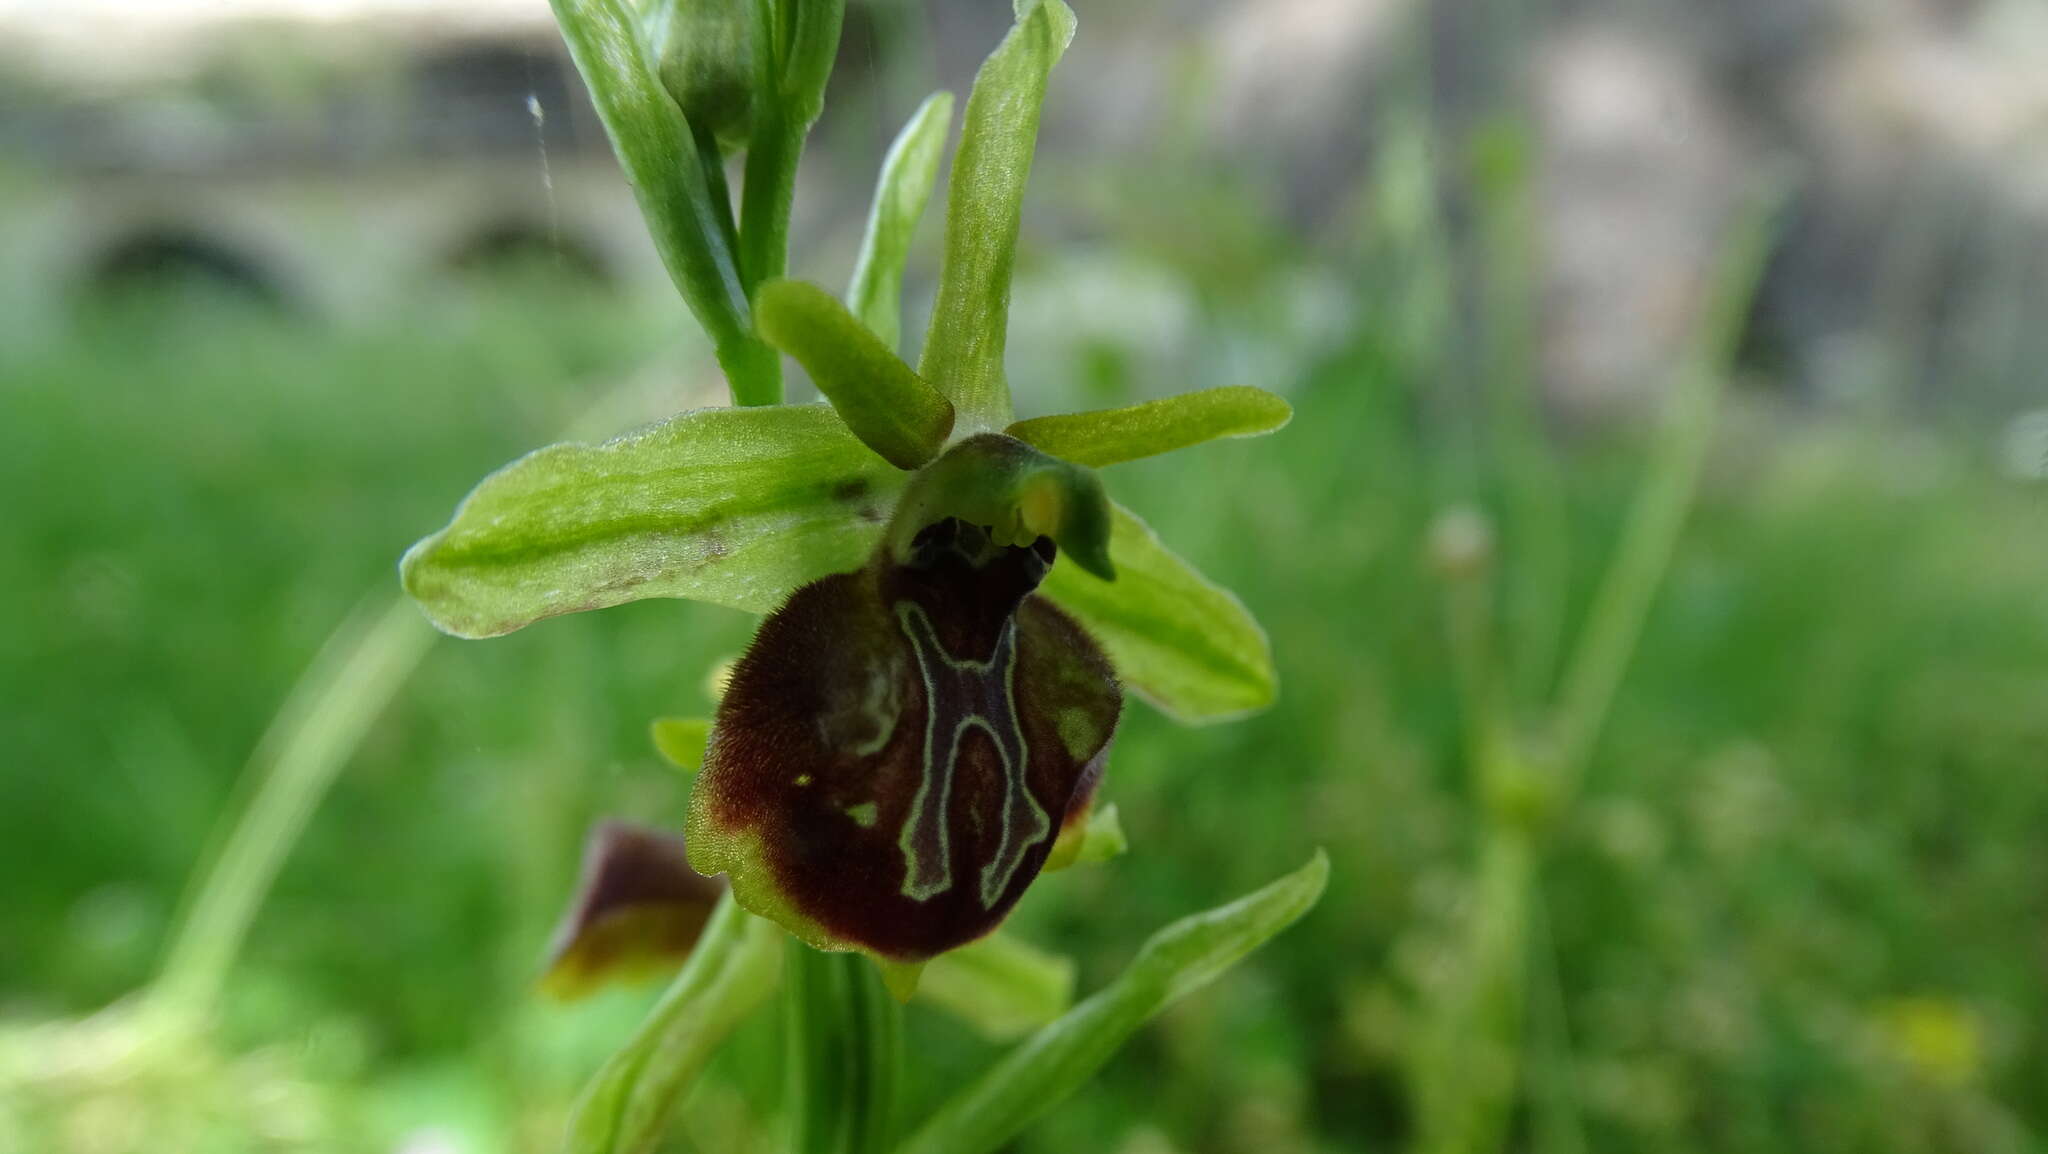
[(962, 694)]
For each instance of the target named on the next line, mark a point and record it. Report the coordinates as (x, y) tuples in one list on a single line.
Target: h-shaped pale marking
[(961, 695)]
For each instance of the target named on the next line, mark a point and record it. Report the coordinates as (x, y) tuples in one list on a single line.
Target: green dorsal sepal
[(1016, 493), (963, 350)]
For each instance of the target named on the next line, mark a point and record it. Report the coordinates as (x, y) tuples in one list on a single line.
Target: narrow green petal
[(1001, 985), (731, 972), (1112, 436), (681, 741), (655, 147), (731, 506), (876, 394), (908, 173), (963, 352), (1060, 1058), (1177, 639)]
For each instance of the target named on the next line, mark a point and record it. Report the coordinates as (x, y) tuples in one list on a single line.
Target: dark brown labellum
[(899, 748), (639, 909)]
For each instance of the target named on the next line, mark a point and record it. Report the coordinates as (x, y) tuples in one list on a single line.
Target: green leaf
[(655, 147), (735, 507), (1112, 436), (1060, 1058), (908, 173), (1000, 985), (681, 741), (875, 393), (1180, 641), (731, 972), (963, 351)]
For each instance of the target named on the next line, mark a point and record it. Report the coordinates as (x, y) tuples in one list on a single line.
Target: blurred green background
[(1800, 903)]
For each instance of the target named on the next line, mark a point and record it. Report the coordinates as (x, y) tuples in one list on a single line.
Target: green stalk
[(766, 203), (794, 45), (1661, 505), (354, 677), (1537, 531), (1467, 1064), (731, 972), (659, 152), (843, 1052)]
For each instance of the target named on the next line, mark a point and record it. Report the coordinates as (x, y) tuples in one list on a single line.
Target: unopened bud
[(705, 49)]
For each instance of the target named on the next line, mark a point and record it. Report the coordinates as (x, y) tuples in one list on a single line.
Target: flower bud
[(706, 58)]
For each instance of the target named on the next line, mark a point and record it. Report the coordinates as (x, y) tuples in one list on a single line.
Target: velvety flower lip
[(898, 751), (639, 909)]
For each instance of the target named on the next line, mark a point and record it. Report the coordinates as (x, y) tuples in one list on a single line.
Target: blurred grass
[(1799, 908)]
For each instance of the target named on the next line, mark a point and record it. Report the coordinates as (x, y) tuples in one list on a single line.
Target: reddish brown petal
[(900, 746), (639, 909)]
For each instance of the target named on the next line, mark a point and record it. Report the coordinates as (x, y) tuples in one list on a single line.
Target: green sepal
[(901, 979), (1177, 639), (1001, 985), (736, 507), (963, 350), (1112, 436), (1097, 838), (1057, 1060), (655, 146), (902, 190), (732, 971), (875, 393), (681, 740), (1016, 492)]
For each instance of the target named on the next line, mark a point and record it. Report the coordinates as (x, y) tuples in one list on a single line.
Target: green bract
[(908, 173), (1052, 1063)]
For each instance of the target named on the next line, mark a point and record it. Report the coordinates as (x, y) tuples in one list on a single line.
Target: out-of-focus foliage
[(1794, 912)]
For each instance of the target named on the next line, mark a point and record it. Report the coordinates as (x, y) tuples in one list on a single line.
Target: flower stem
[(1651, 534), (843, 1052)]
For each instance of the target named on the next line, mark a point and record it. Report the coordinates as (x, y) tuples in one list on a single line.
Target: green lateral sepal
[(1179, 640), (736, 507)]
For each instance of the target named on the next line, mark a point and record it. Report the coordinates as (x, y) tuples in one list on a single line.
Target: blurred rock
[(1642, 163)]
